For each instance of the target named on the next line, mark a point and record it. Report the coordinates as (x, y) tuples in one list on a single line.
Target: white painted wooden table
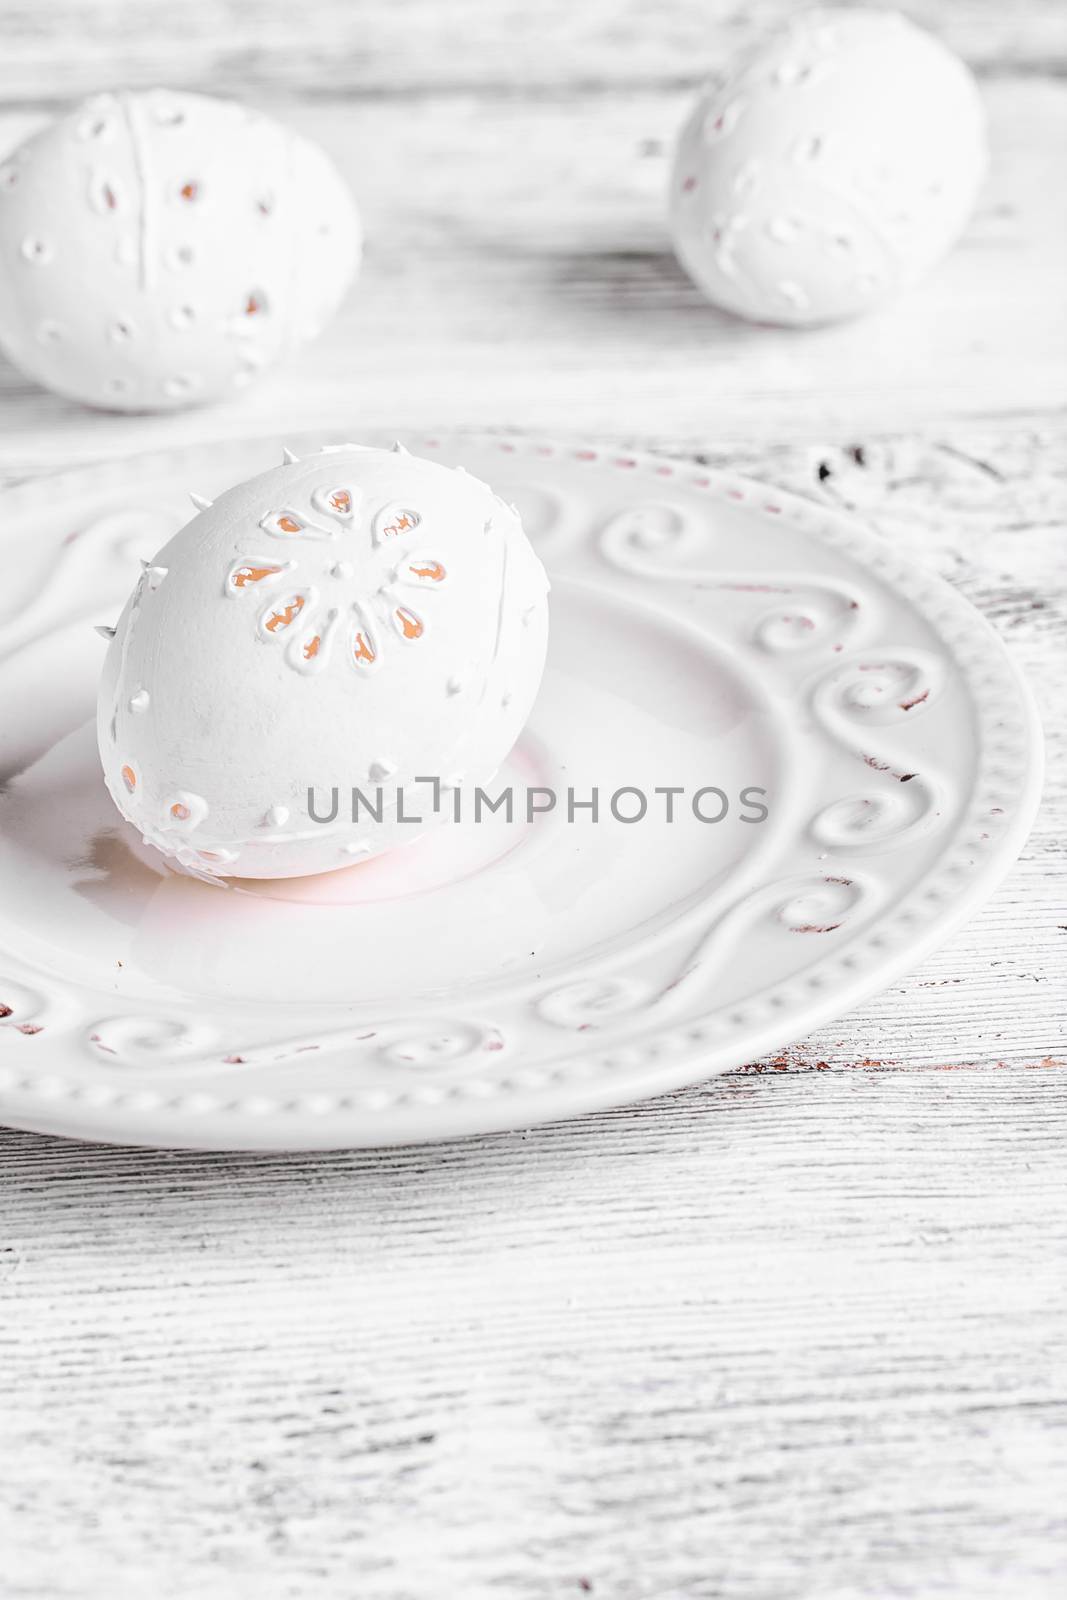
[(798, 1332)]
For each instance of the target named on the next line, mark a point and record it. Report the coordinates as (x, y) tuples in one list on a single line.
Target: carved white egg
[(158, 249), (360, 620), (827, 169)]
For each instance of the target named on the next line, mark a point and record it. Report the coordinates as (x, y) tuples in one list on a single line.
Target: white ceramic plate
[(707, 633)]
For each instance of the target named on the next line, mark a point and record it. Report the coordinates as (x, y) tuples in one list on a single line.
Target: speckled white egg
[(159, 249), (362, 619), (829, 168)]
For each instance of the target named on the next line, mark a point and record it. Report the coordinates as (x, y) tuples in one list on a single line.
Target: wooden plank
[(780, 1336), (337, 48)]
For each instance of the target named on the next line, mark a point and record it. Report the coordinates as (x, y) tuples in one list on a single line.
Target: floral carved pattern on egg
[(358, 600)]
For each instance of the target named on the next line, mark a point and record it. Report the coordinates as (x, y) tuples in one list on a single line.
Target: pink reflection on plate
[(445, 853)]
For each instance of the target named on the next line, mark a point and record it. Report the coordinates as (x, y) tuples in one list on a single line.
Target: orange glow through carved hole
[(246, 575), (410, 626), (285, 615)]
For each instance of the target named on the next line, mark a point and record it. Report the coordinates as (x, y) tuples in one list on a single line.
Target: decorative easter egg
[(827, 169), (158, 249), (361, 620)]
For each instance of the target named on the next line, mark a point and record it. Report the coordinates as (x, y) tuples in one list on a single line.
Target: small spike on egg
[(104, 631), (289, 457), (200, 502)]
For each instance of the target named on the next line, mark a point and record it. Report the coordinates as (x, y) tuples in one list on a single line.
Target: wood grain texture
[(326, 49), (795, 1334), (776, 1337)]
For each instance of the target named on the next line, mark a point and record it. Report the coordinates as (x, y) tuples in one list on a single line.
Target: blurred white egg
[(830, 167), (159, 249), (362, 619)]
